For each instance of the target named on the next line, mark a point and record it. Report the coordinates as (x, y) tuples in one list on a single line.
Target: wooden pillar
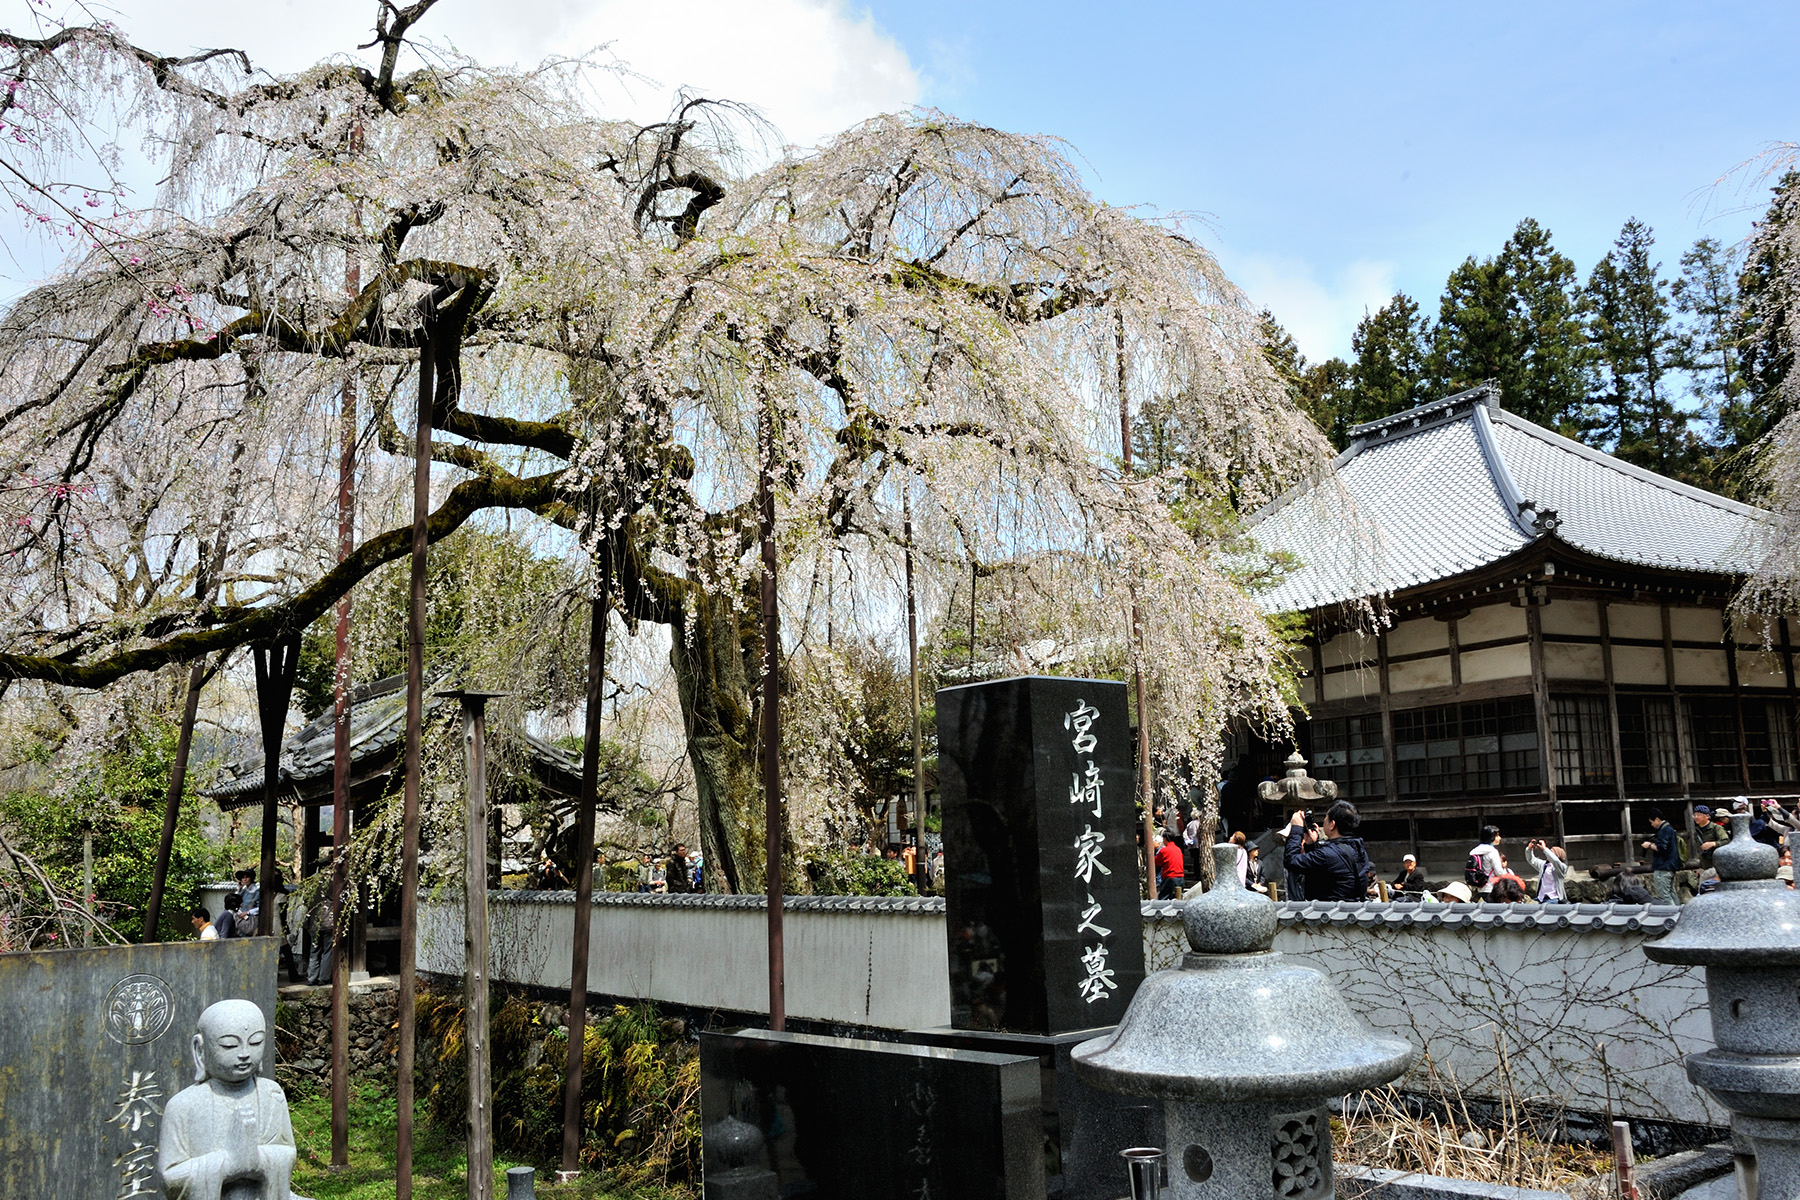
[(1682, 755), (1612, 701), (1540, 695), (1455, 651), (1390, 769), (1737, 697)]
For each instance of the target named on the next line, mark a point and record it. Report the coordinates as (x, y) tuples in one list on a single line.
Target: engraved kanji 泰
[(137, 1102)]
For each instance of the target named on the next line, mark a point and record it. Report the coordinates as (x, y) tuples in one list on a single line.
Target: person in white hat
[(1456, 893), (1410, 880)]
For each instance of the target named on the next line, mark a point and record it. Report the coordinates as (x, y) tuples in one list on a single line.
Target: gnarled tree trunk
[(715, 660)]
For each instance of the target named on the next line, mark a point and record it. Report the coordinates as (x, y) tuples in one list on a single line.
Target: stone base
[(1084, 1128), (1376, 1183), (743, 1183)]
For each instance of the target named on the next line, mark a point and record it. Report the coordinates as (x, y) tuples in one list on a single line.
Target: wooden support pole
[(1146, 786), (912, 667), (771, 728), (276, 665), (87, 880), (409, 812), (172, 800), (584, 876), (340, 780), (475, 950)]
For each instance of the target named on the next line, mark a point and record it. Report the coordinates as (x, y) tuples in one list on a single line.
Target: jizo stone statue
[(228, 1136)]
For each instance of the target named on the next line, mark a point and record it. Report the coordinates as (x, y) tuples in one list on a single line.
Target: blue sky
[(1345, 151), (1338, 152)]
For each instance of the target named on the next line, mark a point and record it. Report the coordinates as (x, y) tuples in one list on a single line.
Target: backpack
[(1475, 872)]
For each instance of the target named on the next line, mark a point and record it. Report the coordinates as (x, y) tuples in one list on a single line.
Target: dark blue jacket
[(1663, 855), (1337, 869)]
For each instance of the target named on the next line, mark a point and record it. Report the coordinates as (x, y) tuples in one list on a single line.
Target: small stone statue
[(228, 1136)]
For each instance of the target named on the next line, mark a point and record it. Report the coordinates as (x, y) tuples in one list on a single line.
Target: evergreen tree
[(1709, 348), (1516, 319), (1389, 372), (1474, 341), (1322, 390), (1637, 347), (1550, 336)]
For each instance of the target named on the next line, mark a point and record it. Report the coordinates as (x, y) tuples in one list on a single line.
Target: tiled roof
[(1616, 918), (377, 723), (1460, 483)]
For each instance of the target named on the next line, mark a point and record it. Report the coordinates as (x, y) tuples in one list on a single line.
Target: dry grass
[(1383, 1132)]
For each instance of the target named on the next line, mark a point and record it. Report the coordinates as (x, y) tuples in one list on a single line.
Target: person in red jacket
[(1170, 869)]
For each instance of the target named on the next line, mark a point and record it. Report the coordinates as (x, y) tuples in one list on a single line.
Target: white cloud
[(812, 67), (1321, 315)]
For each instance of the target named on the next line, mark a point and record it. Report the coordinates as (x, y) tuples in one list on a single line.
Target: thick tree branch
[(273, 621)]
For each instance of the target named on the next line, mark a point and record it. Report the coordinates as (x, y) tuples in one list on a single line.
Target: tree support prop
[(584, 876)]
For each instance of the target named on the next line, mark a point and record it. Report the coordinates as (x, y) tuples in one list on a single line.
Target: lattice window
[(1581, 741), (1712, 736), (1647, 740), (1294, 1153), (1769, 740)]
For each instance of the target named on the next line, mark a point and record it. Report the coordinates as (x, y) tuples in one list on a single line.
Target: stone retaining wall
[(303, 1029)]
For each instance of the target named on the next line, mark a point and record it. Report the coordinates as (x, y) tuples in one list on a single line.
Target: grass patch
[(440, 1164)]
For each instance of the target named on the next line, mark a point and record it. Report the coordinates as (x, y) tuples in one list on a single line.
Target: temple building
[(1551, 649)]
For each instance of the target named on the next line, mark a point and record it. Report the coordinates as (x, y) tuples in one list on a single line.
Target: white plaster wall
[(880, 969), (1546, 999)]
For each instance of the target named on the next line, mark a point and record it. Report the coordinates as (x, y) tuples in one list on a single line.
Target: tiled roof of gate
[(1454, 485), (377, 724)]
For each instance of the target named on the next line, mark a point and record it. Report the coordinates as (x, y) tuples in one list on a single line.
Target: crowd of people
[(1326, 860)]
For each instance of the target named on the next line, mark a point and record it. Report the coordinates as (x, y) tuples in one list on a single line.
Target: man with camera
[(1338, 867)]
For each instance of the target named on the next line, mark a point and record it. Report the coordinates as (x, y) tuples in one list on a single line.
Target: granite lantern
[(1747, 936), (1243, 1047)]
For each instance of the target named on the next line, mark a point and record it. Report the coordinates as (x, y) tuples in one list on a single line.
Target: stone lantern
[(1747, 936), (1296, 788), (1243, 1047)]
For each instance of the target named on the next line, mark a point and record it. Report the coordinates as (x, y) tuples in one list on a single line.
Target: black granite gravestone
[(1084, 1128), (1040, 854), (93, 1043), (795, 1115)]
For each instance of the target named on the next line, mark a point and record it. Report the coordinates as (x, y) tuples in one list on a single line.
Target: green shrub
[(640, 1094), (836, 874), (124, 800)]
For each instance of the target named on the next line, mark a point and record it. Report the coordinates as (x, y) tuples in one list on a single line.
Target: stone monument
[(1042, 898), (790, 1114), (1242, 1048), (1747, 936), (228, 1137), (1040, 854), (93, 1045)]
